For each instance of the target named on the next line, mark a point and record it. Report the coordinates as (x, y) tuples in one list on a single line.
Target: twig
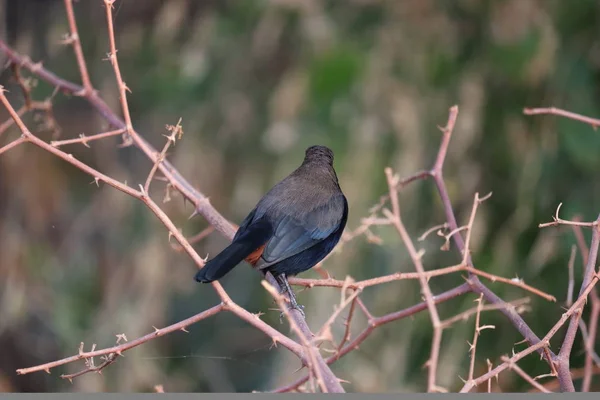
[(591, 356), (12, 144), (589, 344), (595, 123), (571, 284), (73, 39), (23, 85), (577, 373), (108, 359), (398, 276), (347, 325), (112, 56), (476, 202), (489, 365), (478, 329), (396, 219), (437, 228), (119, 349), (325, 331), (559, 221), (176, 132), (85, 139), (524, 375)]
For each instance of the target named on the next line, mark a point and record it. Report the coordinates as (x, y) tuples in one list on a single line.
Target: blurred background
[(255, 83)]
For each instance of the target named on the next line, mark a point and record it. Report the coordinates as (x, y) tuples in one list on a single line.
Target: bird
[(294, 226)]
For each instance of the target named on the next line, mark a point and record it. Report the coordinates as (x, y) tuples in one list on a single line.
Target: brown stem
[(563, 365), (74, 40)]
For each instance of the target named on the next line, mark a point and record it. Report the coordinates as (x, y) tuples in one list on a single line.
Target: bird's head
[(320, 154)]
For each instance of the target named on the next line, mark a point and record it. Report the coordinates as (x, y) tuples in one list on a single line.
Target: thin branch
[(347, 324), (24, 85), (489, 365), (112, 56), (591, 356), (559, 221), (176, 133), (398, 276), (108, 359), (589, 344), (438, 229), (595, 123), (476, 202), (12, 144), (571, 284), (86, 139), (325, 331), (396, 219), (577, 373), (473, 346), (119, 349), (524, 375), (73, 39)]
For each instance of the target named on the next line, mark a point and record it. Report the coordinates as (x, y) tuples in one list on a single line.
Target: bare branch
[(74, 40), (86, 139), (396, 220), (595, 123), (119, 349)]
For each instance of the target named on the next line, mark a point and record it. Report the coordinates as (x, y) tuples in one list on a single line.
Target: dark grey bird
[(293, 227)]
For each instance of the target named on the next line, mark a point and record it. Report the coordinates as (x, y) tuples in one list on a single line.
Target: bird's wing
[(294, 235)]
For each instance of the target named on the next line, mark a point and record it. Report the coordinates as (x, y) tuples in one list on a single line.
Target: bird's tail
[(254, 237)]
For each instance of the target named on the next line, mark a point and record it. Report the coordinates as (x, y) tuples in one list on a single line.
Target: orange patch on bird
[(255, 255)]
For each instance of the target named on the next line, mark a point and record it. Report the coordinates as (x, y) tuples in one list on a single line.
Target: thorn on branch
[(121, 337)]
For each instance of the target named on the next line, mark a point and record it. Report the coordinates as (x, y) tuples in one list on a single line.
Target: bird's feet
[(285, 288)]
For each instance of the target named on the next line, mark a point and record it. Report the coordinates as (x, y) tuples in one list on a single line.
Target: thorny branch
[(176, 180), (310, 356), (396, 219)]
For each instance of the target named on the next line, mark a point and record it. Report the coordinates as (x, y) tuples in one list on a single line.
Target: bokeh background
[(255, 83)]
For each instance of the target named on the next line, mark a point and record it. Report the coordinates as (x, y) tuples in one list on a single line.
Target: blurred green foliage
[(255, 83)]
